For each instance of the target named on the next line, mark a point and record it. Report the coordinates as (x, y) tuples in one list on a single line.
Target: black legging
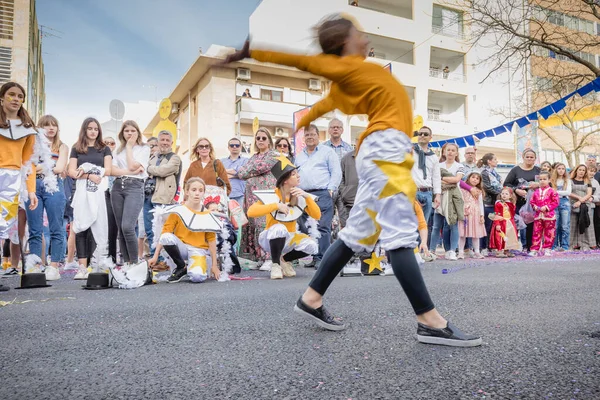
[(112, 229), (403, 262), (277, 245), (85, 244)]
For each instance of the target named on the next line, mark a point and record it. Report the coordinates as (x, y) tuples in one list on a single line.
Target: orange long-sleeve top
[(420, 216), (15, 153), (358, 87), (175, 225), (259, 209)]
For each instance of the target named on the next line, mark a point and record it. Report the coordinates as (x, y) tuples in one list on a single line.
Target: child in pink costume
[(544, 201)]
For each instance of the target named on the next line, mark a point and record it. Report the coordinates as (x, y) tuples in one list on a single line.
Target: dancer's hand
[(296, 191), (239, 54), (33, 201), (498, 228), (152, 262), (282, 208), (215, 271), (423, 247)]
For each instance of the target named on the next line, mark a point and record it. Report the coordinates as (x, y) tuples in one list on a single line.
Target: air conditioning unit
[(281, 132), (314, 84), (243, 74), (174, 108)]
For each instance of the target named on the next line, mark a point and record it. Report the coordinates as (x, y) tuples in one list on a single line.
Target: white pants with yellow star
[(382, 210), (199, 261), (293, 240), (10, 187)]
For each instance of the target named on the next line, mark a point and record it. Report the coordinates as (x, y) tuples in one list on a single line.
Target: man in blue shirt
[(320, 175), (232, 164), (336, 129)]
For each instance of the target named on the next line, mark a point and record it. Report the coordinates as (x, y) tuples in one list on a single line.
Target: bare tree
[(553, 41)]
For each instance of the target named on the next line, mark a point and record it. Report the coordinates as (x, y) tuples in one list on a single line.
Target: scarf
[(422, 155)]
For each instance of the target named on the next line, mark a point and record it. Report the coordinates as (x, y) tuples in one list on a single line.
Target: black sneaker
[(320, 316), (449, 336), (177, 275)]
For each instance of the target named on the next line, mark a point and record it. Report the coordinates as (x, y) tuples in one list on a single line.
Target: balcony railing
[(451, 76), (447, 119), (448, 32)]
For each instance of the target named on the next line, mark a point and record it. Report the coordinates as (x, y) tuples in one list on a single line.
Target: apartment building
[(550, 74), (425, 43), (209, 101), (21, 52)]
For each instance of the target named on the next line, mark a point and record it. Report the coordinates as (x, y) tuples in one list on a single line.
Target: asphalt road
[(241, 340)]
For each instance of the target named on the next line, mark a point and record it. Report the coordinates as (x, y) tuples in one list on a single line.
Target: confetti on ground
[(6, 303)]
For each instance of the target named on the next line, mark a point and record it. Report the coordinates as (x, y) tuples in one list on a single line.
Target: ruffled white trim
[(41, 152)]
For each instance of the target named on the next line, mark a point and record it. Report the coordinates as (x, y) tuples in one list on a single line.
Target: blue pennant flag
[(522, 122), (509, 126), (596, 84), (480, 135), (582, 91), (546, 112), (489, 133), (461, 142), (470, 140), (558, 105), (499, 130), (533, 116)]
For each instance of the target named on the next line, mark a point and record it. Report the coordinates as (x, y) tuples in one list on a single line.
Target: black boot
[(180, 272)]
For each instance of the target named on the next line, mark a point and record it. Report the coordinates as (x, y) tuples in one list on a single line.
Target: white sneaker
[(485, 252), (52, 273), (276, 272), (266, 266), (548, 253), (82, 273), (352, 269), (461, 256), (450, 256), (532, 254), (389, 271), (287, 269), (71, 266)]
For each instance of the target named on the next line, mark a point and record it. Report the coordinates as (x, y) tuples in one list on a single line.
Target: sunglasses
[(109, 143), (424, 134), (234, 145), (203, 146), (261, 138), (283, 145)]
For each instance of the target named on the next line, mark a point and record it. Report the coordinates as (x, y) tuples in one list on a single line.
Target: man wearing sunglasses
[(232, 164), (426, 173)]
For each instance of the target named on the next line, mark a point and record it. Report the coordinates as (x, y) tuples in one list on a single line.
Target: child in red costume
[(503, 236), (544, 201)]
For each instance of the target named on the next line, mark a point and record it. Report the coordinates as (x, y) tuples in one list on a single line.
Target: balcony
[(448, 22), (398, 8), (385, 48), (269, 112), (447, 64), (447, 108)]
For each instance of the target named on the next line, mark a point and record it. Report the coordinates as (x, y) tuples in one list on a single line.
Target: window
[(568, 21), (447, 22), (271, 95), (5, 64), (433, 114), (7, 15)]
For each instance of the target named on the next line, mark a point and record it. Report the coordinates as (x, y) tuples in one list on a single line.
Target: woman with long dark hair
[(127, 193), (90, 164), (51, 202), (492, 186)]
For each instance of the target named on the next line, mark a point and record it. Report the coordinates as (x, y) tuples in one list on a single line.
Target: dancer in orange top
[(383, 210)]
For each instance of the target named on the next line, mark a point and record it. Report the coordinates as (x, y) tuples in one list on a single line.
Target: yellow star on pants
[(298, 237), (399, 178), (284, 162), (374, 262), (372, 239), (11, 207), (198, 261)]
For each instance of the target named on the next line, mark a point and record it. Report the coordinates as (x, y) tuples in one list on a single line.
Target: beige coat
[(166, 182)]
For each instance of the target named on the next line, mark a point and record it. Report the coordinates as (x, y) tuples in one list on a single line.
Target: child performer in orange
[(544, 201), (503, 236), (283, 207), (383, 209)]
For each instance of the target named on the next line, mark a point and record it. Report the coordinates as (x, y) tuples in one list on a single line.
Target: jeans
[(127, 199), (325, 203), (450, 233), (54, 204), (563, 224), (484, 242), (425, 199), (112, 229), (148, 219)]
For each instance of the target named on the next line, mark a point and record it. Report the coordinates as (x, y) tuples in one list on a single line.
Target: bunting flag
[(544, 113)]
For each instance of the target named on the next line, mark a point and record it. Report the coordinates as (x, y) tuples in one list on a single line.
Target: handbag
[(220, 181), (238, 218), (526, 212)]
